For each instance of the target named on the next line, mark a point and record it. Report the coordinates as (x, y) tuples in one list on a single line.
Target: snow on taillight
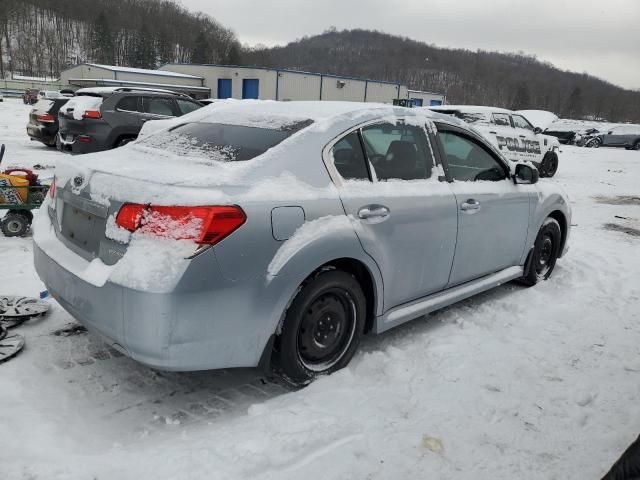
[(45, 118), (202, 224), (90, 113)]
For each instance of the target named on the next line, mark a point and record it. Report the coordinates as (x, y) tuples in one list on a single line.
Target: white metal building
[(281, 84), (426, 99), (94, 75)]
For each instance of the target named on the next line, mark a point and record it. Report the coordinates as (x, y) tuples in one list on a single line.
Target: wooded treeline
[(514, 81), (43, 37)]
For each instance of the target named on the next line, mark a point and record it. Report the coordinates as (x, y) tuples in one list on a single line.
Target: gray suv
[(99, 119), (277, 234)]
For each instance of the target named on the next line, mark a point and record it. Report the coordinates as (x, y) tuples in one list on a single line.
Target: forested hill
[(468, 77), (43, 37)]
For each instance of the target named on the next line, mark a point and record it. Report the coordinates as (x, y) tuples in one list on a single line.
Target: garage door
[(250, 88)]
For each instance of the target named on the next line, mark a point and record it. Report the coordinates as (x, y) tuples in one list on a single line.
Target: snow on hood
[(539, 118)]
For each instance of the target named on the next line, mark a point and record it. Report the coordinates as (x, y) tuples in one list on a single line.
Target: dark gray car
[(627, 136), (99, 119)]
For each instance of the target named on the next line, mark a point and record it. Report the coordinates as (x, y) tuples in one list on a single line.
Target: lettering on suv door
[(516, 145)]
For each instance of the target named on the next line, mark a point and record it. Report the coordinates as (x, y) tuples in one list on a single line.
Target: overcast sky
[(603, 40)]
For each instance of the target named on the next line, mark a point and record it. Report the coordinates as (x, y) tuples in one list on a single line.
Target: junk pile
[(14, 311)]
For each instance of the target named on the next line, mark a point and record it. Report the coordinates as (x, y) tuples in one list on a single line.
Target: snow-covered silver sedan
[(273, 233)]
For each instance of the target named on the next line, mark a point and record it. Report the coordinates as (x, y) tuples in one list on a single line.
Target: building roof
[(470, 109), (106, 82), (163, 73)]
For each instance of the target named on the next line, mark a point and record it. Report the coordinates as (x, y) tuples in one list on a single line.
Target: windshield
[(220, 142)]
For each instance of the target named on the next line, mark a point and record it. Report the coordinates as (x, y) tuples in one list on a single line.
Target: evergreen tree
[(101, 41), (575, 103), (522, 99), (201, 51)]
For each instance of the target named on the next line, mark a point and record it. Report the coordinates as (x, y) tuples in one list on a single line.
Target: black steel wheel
[(322, 327), (15, 224), (545, 252), (549, 165)]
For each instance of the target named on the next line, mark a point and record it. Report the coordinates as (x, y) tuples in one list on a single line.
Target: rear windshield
[(222, 143)]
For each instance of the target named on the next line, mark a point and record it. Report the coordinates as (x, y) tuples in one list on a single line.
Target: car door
[(403, 214), (127, 114), (505, 134), (530, 142), (158, 108), (493, 212)]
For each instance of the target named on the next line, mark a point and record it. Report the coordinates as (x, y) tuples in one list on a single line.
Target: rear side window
[(501, 119), (128, 104), (158, 106), (186, 106), (398, 151), (221, 143), (348, 158)]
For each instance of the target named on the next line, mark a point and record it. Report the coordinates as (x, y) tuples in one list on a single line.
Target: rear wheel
[(636, 146), (549, 165), (322, 327), (544, 254), (123, 141), (15, 224)]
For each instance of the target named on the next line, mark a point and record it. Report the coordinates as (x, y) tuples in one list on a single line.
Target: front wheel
[(593, 143), (15, 224), (549, 165), (322, 327), (544, 254), (636, 146)]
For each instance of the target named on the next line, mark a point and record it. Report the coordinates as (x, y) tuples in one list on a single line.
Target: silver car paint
[(226, 307)]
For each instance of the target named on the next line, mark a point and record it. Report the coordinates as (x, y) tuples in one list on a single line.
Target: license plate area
[(82, 228)]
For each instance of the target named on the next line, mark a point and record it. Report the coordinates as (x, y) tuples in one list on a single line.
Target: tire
[(636, 146), (549, 165), (15, 224), (123, 141), (322, 327), (544, 254), (593, 143)]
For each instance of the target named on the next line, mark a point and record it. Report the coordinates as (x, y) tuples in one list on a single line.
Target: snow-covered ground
[(540, 383)]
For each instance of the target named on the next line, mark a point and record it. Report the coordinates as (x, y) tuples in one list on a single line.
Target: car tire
[(322, 327), (15, 224), (549, 165), (636, 146), (123, 141), (593, 143), (544, 254)]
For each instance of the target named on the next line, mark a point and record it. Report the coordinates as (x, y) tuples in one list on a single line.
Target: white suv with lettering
[(511, 133)]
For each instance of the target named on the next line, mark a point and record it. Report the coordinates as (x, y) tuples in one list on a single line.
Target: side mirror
[(526, 174), (537, 130)]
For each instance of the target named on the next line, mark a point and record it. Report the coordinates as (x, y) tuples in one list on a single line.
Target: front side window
[(159, 106), (348, 158), (520, 122), (501, 119), (186, 106), (398, 151), (467, 160)]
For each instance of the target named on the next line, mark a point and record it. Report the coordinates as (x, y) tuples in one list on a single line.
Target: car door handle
[(470, 205), (375, 212), (493, 132), (523, 136)]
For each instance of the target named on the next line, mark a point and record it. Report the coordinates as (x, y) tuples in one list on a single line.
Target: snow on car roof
[(273, 114), (470, 109), (163, 73)]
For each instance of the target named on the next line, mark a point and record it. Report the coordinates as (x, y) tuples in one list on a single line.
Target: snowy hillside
[(517, 383)]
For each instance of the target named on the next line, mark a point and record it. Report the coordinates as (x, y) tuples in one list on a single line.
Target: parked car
[(511, 133), (43, 120), (99, 119), (627, 136), (30, 96), (278, 233)]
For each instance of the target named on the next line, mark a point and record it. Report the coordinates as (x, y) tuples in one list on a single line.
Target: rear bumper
[(43, 133), (184, 330)]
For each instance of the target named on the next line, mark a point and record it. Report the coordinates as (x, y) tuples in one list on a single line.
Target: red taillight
[(91, 114), (84, 139), (52, 188), (46, 118), (204, 225)]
